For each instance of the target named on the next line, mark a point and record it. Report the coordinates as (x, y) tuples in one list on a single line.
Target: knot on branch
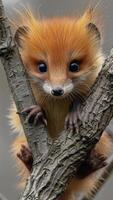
[(6, 46), (110, 71)]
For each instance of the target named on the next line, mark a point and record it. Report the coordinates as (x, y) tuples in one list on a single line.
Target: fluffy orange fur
[(57, 41)]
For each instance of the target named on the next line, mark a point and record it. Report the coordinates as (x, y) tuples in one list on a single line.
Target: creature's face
[(61, 54)]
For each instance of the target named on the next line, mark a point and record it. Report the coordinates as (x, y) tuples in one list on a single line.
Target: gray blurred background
[(8, 174)]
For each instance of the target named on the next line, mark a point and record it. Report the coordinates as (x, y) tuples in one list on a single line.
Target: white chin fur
[(67, 87)]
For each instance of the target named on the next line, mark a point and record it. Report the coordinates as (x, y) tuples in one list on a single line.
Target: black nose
[(57, 92)]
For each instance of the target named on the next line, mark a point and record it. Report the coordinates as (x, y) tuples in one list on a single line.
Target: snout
[(57, 91)]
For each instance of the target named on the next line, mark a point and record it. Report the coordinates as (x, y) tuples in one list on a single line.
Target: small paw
[(26, 157), (34, 115), (96, 161), (71, 121)]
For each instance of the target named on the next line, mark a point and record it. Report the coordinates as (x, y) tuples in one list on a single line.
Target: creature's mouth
[(59, 97), (57, 92)]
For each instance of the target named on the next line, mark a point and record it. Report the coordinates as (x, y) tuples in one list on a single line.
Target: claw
[(37, 117), (94, 162), (71, 121), (34, 115), (44, 121)]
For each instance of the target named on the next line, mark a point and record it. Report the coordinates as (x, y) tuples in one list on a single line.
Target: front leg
[(71, 121), (26, 157), (93, 162), (34, 115)]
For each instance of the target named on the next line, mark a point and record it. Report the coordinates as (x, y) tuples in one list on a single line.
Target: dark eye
[(74, 66), (42, 67)]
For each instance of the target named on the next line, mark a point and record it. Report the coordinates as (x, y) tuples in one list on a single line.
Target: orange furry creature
[(62, 57)]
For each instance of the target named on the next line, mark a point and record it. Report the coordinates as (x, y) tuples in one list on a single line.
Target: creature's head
[(63, 55)]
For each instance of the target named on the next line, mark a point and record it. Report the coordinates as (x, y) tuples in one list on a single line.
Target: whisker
[(79, 95)]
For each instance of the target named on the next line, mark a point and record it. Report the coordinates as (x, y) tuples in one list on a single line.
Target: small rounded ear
[(92, 28), (20, 32)]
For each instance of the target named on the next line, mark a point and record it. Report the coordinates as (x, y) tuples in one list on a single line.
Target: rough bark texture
[(53, 172), (18, 80), (56, 161)]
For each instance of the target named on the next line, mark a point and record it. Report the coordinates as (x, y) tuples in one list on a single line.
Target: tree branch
[(56, 162), (18, 81)]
